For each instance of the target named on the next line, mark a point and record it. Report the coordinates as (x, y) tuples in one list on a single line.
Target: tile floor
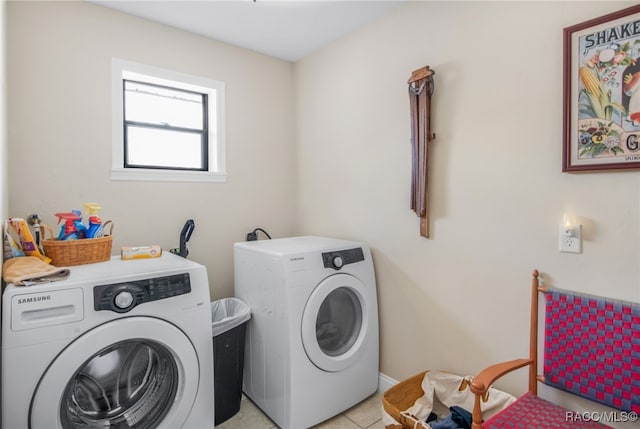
[(365, 415)]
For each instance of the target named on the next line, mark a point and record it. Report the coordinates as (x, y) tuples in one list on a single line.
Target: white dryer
[(312, 341), (121, 344)]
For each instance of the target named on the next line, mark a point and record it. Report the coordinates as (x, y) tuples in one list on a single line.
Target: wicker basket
[(65, 253), (401, 397)]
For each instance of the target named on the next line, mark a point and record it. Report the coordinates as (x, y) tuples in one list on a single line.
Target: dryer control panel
[(122, 297), (340, 258)]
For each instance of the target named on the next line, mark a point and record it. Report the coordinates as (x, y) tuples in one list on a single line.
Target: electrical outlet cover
[(570, 244)]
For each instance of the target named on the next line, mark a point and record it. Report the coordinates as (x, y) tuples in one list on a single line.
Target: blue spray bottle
[(95, 229), (80, 228)]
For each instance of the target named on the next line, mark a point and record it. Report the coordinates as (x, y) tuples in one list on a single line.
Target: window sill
[(148, 175)]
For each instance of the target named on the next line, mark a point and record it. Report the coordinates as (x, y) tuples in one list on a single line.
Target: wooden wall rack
[(420, 91)]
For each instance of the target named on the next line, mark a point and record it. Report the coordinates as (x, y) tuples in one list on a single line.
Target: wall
[(59, 56), (4, 195), (459, 300), (4, 185)]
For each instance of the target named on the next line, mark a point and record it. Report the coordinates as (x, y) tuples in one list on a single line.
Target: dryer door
[(335, 322), (135, 372)]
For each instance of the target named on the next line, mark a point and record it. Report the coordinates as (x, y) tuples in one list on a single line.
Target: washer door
[(136, 372), (335, 323)]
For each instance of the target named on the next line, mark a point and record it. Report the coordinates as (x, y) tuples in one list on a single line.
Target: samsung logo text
[(34, 299)]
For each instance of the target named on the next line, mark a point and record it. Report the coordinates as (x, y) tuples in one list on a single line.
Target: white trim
[(217, 137), (385, 382), (149, 175)]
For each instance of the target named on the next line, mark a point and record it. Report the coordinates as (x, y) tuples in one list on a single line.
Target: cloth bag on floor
[(451, 390)]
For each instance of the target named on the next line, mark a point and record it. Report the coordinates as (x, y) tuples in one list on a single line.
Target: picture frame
[(601, 94)]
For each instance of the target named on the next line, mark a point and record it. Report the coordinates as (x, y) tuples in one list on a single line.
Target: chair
[(592, 349)]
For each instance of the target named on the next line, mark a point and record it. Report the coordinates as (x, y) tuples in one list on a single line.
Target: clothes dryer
[(123, 344), (312, 341)]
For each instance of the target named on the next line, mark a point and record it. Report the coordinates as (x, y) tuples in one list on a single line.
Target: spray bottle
[(80, 228), (68, 231), (95, 229)]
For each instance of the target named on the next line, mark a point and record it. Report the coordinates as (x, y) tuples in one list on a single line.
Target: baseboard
[(385, 382)]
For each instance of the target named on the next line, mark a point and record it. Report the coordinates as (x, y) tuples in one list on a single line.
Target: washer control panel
[(122, 297), (340, 258)]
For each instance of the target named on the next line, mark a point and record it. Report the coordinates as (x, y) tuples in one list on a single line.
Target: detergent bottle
[(95, 229), (68, 231)]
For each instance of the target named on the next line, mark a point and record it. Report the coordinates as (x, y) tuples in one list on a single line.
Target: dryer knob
[(337, 261), (123, 299)]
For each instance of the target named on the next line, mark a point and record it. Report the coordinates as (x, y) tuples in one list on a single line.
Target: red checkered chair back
[(592, 348)]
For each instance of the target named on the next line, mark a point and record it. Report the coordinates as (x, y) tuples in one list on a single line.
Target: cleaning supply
[(140, 252), (68, 231), (81, 230), (34, 220), (11, 242), (96, 228), (27, 243)]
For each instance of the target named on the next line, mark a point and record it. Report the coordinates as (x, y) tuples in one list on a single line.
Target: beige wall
[(459, 300), (59, 57), (4, 196)]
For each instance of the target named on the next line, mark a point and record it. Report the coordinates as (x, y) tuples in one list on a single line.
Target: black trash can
[(228, 317)]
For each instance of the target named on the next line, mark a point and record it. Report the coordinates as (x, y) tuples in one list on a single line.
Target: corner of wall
[(4, 186)]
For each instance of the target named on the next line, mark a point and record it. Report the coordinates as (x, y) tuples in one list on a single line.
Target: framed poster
[(602, 93)]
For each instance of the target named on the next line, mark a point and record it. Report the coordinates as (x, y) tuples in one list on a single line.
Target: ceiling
[(285, 29)]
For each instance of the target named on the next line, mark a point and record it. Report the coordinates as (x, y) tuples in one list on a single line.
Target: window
[(167, 126), (164, 127)]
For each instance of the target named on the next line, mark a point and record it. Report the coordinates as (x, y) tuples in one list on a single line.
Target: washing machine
[(312, 341), (121, 344)]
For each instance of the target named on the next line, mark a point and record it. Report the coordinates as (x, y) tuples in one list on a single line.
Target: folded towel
[(31, 270)]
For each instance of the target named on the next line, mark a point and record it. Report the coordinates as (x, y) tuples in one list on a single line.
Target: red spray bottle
[(68, 231)]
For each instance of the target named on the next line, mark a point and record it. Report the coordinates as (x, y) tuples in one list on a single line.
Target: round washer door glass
[(335, 322), (126, 385), (338, 322), (136, 372)]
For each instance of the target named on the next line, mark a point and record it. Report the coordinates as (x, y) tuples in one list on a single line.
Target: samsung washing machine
[(121, 344), (312, 341)]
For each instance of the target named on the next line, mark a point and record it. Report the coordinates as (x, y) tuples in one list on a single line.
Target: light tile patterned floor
[(365, 415)]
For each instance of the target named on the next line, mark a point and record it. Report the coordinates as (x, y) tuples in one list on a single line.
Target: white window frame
[(120, 70)]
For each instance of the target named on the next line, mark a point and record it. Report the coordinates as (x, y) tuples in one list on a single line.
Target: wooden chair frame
[(481, 382)]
